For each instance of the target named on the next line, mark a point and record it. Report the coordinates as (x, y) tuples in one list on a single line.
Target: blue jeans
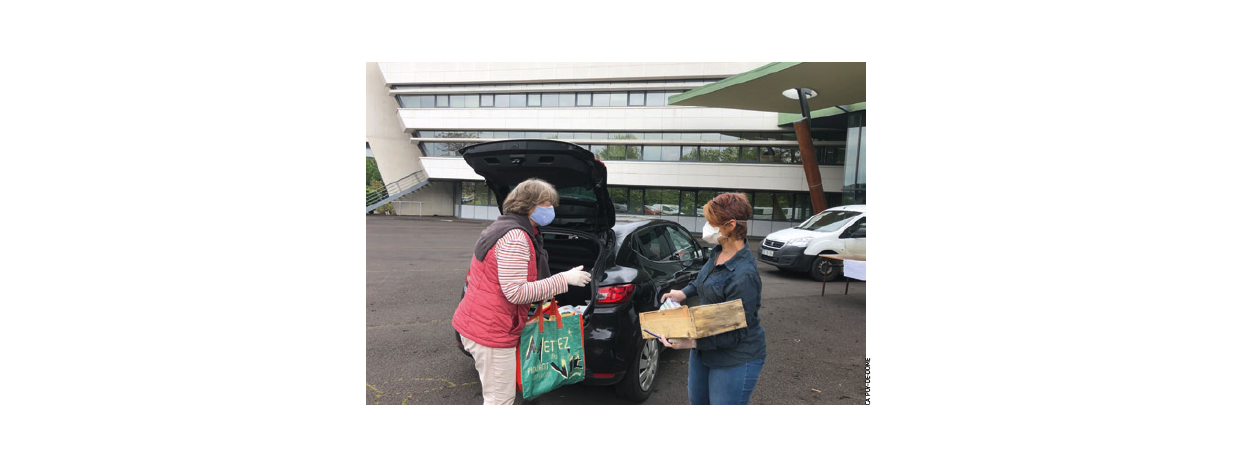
[(722, 386)]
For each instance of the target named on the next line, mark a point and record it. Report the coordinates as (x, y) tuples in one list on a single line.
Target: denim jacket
[(735, 279)]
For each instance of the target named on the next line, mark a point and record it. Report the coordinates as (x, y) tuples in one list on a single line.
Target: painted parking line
[(379, 394)]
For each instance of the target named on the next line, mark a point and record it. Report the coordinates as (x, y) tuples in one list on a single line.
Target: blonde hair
[(528, 194)]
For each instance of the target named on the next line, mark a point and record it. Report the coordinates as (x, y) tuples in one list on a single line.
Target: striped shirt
[(512, 255)]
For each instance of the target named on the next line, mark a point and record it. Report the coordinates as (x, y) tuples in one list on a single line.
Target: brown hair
[(528, 194), (730, 206)]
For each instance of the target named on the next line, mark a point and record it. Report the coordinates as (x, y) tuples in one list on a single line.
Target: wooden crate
[(694, 322)]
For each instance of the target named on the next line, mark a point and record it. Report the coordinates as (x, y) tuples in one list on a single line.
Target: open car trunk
[(567, 249)]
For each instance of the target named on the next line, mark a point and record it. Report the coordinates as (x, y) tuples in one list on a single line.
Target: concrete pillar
[(396, 156)]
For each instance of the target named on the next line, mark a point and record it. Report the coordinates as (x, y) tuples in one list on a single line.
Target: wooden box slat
[(694, 322)]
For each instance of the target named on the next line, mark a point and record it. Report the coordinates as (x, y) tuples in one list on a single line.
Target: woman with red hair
[(724, 368)]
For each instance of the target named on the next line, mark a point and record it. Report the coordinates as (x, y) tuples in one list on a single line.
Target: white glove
[(674, 294), (576, 277)]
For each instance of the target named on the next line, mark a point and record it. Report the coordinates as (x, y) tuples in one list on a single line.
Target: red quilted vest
[(484, 314)]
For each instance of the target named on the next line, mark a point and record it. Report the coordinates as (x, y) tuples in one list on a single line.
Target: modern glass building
[(663, 161)]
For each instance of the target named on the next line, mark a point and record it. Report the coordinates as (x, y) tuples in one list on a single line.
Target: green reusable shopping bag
[(552, 354)]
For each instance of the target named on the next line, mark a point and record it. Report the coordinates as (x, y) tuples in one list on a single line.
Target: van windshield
[(828, 221)]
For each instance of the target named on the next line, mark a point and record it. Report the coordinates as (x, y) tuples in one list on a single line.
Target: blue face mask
[(543, 215)]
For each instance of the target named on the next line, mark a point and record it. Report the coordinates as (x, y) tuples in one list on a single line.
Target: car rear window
[(577, 194)]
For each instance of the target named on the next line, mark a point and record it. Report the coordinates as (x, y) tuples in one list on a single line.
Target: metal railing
[(396, 189)]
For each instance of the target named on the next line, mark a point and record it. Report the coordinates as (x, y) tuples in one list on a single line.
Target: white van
[(839, 230)]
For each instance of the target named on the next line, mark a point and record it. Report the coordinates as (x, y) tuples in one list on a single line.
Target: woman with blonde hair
[(724, 368), (507, 273)]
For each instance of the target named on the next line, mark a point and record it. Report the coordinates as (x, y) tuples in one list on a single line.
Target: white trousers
[(497, 370)]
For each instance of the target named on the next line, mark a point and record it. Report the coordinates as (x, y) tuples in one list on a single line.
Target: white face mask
[(710, 234)]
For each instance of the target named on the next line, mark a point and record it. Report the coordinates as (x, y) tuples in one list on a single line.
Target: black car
[(631, 263)]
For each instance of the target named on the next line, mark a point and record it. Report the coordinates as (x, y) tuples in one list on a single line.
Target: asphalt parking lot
[(415, 267)]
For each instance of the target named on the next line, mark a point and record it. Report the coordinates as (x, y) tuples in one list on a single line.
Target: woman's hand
[(576, 276), (679, 344), (674, 294)]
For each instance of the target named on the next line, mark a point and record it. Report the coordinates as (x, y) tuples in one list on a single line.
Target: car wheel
[(825, 269), (638, 383)]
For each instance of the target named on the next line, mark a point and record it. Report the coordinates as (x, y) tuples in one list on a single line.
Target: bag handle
[(554, 308)]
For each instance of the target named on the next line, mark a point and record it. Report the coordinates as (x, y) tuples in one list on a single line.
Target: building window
[(802, 207), (488, 100), (633, 152), (635, 201), (749, 154), (833, 155), (612, 152), (533, 100), (456, 101), (670, 153), (637, 98), (781, 155), (657, 98), (762, 206), (712, 153), (662, 202), (481, 194), (441, 100), (652, 153), (471, 101), (688, 153), (704, 196), (601, 100), (583, 99), (467, 192), (550, 100), (688, 203), (619, 199)]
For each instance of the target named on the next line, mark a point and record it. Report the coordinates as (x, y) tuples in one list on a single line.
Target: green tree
[(372, 171)]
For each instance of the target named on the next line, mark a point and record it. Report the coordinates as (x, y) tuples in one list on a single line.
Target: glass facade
[(773, 206), (597, 143), (854, 160), (725, 136), (785, 207), (692, 82), (566, 99)]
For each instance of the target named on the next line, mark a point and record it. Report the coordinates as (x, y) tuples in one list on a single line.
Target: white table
[(854, 268)]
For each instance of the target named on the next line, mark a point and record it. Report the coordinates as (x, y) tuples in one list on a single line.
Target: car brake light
[(616, 294), (603, 376)]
